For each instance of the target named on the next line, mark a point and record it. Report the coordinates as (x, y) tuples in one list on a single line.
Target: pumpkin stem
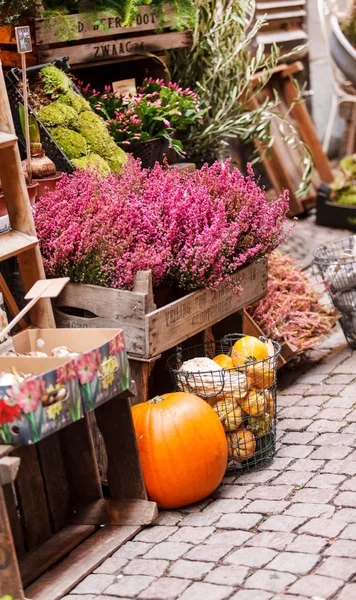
[(156, 400)]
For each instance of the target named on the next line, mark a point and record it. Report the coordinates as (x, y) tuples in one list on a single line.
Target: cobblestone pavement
[(287, 532)]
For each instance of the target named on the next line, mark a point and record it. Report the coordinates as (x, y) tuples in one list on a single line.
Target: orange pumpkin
[(241, 444), (224, 361), (248, 350), (182, 448), (257, 402), (261, 374)]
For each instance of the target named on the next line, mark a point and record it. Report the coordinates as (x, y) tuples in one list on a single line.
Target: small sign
[(124, 86), (23, 39)]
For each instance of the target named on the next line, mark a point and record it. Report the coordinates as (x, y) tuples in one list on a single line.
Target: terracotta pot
[(47, 184), (32, 192)]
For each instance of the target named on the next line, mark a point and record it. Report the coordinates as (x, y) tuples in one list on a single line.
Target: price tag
[(125, 86), (23, 39)]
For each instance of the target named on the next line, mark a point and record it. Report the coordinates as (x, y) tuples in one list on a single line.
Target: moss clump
[(72, 143), (55, 81), (75, 101), (93, 129), (94, 162), (57, 114)]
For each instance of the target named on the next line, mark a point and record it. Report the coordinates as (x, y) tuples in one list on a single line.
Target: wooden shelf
[(15, 242), (7, 139), (279, 4), (279, 37)]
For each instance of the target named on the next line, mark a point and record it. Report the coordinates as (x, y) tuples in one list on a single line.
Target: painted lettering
[(80, 26)]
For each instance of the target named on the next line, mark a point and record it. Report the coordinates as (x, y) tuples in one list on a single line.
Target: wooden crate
[(150, 331), (55, 526), (87, 45)]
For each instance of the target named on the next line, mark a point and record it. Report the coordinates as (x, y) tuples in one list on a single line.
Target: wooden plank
[(10, 58), (38, 561), (10, 580), (9, 466), (145, 20), (170, 325), (124, 472), (113, 308), (57, 582), (115, 49), (31, 498), (55, 481), (10, 301), (279, 37), (14, 519), (79, 461), (113, 512), (5, 450), (13, 243), (140, 373)]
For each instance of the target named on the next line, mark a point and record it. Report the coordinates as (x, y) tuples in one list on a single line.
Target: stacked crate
[(285, 22)]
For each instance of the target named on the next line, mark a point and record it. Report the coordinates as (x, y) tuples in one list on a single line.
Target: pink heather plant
[(192, 229)]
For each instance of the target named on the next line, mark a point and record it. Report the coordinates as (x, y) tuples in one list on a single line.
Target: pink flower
[(87, 366), (167, 123), (117, 344), (27, 394), (66, 372)]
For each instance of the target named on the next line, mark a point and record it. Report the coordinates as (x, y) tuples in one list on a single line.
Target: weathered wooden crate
[(150, 331), (86, 44)]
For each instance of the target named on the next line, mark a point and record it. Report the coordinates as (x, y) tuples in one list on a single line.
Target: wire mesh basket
[(336, 263), (244, 397)]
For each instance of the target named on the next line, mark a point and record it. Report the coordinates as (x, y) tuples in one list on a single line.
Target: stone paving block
[(331, 452), (349, 391), (132, 549), (270, 492), (198, 506), (326, 480), (271, 581), (294, 562), (348, 515), (298, 412), (240, 521), (155, 534), (324, 390), (305, 509), (227, 575), (259, 476), (207, 591), (329, 528), (278, 464), (324, 426), (170, 518), (348, 592), (225, 506), (335, 439), (298, 438), (314, 378), (339, 379), (165, 588), (295, 451), (168, 550), (351, 417), (294, 390), (345, 548), (307, 543), (306, 464), (339, 402), (294, 478), (250, 558), (314, 496), (312, 401), (251, 595), (287, 401), (316, 585), (293, 424), (111, 565), (188, 569), (289, 597), (347, 499), (271, 539), (282, 523), (268, 507), (94, 584), (333, 414), (81, 597), (204, 519), (344, 568), (347, 466), (350, 428), (232, 491), (348, 367), (129, 585), (235, 538), (349, 533), (208, 552), (193, 535), (143, 566)]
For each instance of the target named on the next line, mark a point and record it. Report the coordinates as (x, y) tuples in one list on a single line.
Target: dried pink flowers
[(192, 229), (291, 311)]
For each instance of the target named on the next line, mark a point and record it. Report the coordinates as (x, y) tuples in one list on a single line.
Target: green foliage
[(72, 143), (74, 100), (57, 114), (343, 188), (93, 129), (92, 161), (349, 24), (221, 67), (55, 81), (35, 136), (12, 10)]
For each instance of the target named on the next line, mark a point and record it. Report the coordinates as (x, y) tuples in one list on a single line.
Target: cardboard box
[(40, 405), (102, 367)]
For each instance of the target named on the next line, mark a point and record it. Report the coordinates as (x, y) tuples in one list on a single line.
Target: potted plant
[(336, 205), (343, 42), (149, 122), (43, 170)]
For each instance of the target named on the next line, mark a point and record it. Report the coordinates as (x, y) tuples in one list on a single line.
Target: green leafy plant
[(343, 188), (227, 75), (348, 24), (34, 130)]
